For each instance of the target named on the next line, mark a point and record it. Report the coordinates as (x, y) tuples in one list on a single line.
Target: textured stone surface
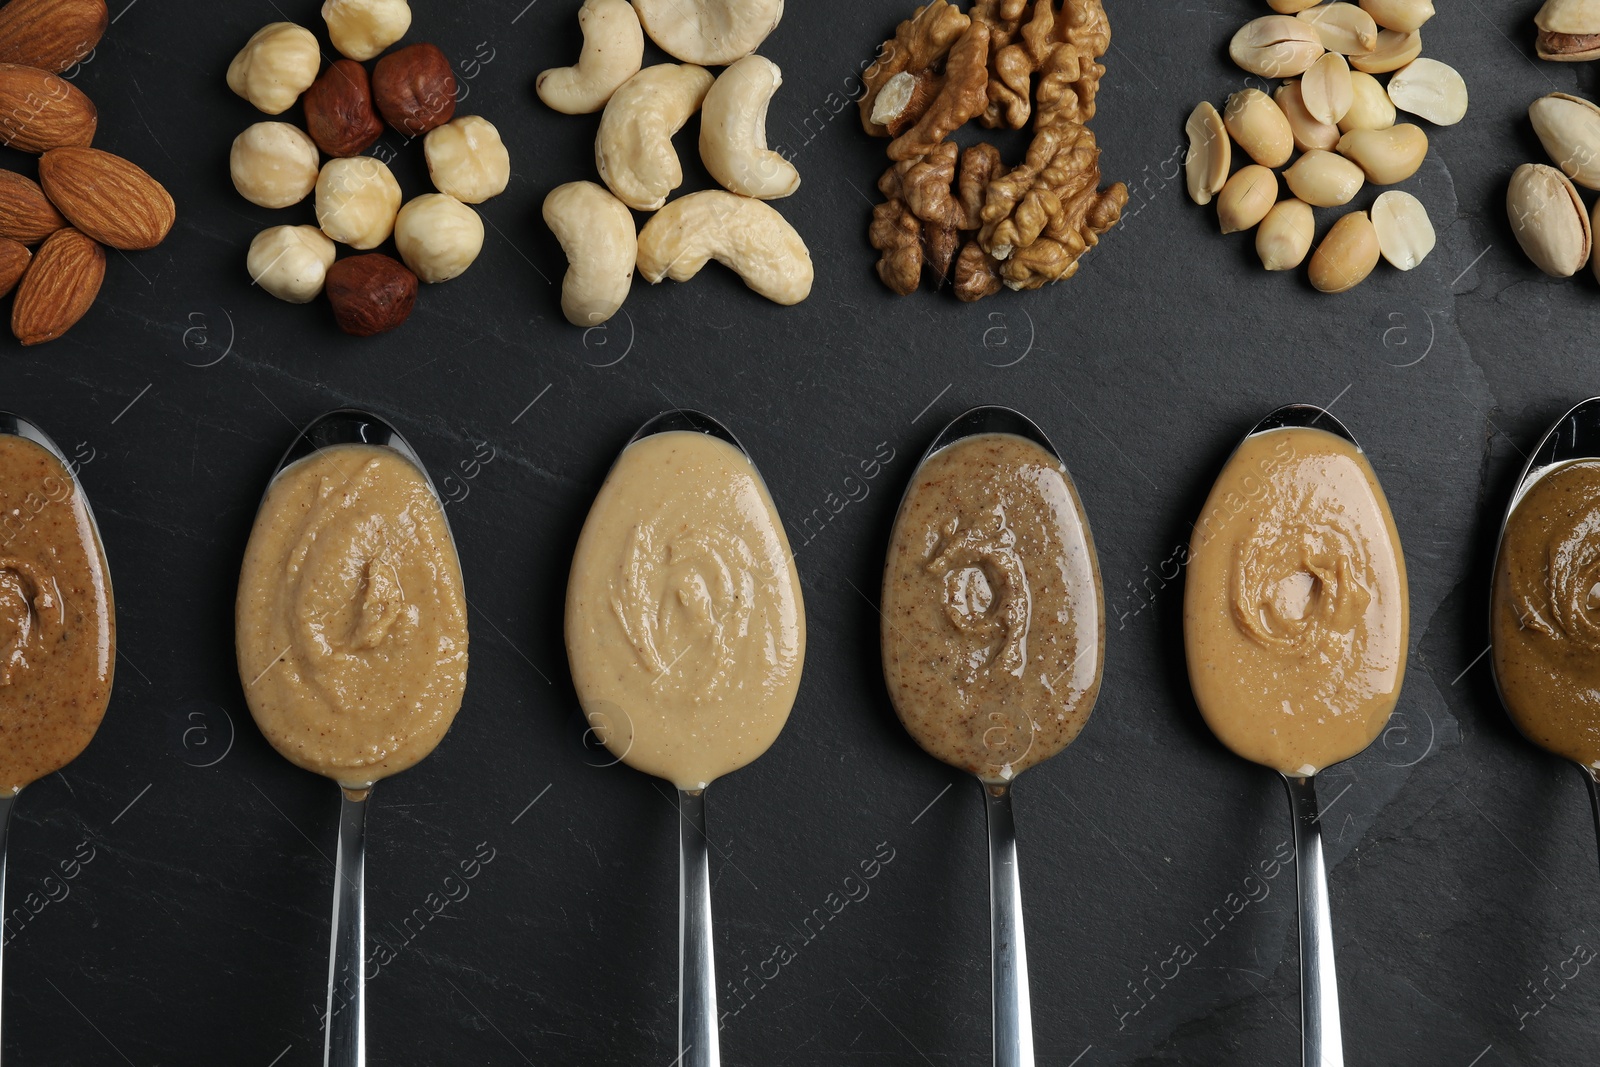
[(1463, 860)]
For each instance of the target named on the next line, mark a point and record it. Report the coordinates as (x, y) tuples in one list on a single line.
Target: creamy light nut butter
[(993, 618), (1545, 613), (684, 623), (1295, 609), (351, 621), (57, 619)]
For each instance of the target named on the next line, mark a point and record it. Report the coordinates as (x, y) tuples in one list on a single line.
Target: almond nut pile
[(85, 200), (641, 109), (1003, 63), (1548, 216), (411, 90), (1332, 108)]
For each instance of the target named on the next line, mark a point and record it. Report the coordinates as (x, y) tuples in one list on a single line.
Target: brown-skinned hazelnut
[(415, 89), (370, 293), (339, 114)]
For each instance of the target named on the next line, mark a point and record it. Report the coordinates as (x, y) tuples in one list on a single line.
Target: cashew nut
[(747, 236), (613, 52), (596, 232), (633, 150), (733, 131), (709, 32)]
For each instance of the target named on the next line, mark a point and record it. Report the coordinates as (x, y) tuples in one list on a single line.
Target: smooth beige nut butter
[(685, 626), (993, 617), (1295, 608), (351, 621), (1545, 615), (57, 620)]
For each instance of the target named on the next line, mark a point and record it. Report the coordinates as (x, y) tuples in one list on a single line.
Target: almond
[(40, 111), (50, 34), (14, 258), (108, 198), (59, 287), (26, 214)]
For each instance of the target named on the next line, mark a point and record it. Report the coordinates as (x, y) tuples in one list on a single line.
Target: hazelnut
[(415, 89), (370, 294), (357, 200), (273, 164), (278, 64), (467, 159), (290, 262), (339, 113), (438, 236), (361, 29)]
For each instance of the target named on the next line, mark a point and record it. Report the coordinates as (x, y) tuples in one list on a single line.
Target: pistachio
[(1275, 46), (1284, 236), (1289, 7), (1370, 106), (1405, 236), (1326, 89), (1395, 50), (1431, 89), (1247, 198), (1343, 28), (1259, 127), (1549, 220), (1569, 30), (1386, 156), (1323, 179), (1569, 129), (1402, 16), (1210, 153), (1346, 256), (1308, 132)]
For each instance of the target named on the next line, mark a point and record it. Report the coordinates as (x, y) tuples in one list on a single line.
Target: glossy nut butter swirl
[(57, 621), (351, 622), (993, 619), (1545, 618), (685, 626), (1295, 610)]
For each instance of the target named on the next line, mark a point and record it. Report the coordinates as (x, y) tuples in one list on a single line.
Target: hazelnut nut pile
[(1332, 108), (358, 202), (642, 108)]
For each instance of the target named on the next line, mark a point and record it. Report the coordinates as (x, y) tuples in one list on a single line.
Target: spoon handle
[(1589, 777), (346, 1022), (6, 805), (1321, 1040), (697, 974), (1013, 1013)]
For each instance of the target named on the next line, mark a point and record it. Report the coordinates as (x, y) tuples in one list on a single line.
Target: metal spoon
[(1322, 1042), (1012, 1012), (345, 1024), (1574, 436), (698, 1043), (17, 426)]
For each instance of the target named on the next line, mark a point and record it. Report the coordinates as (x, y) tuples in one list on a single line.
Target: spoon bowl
[(1572, 438), (345, 1021)]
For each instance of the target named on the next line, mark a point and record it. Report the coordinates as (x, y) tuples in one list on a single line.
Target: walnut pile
[(1004, 63)]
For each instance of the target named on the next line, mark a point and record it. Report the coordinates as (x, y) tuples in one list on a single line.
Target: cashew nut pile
[(1003, 63), (358, 200), (1342, 121), (641, 109)]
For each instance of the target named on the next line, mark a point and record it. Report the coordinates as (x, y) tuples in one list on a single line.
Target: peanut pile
[(1004, 63)]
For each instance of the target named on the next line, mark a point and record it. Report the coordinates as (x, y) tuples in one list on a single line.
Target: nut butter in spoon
[(686, 635), (351, 635), (993, 641), (1295, 623), (58, 641), (1545, 607)]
